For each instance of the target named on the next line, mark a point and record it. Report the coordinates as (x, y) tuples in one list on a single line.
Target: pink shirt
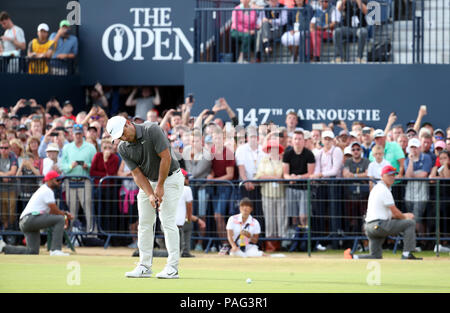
[(329, 163), (243, 20)]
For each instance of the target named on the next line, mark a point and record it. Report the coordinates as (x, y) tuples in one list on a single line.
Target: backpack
[(380, 52)]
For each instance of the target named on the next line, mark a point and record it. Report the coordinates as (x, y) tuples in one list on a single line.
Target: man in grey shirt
[(144, 104), (147, 153)]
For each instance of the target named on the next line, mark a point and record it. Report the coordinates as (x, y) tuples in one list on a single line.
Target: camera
[(191, 97)]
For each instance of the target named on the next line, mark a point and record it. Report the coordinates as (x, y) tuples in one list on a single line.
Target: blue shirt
[(65, 45), (423, 164)]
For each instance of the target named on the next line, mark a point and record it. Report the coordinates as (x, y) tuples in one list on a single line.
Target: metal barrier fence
[(393, 31), (33, 66), (300, 214)]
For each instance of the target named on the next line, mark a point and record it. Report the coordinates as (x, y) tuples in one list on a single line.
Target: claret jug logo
[(152, 34)]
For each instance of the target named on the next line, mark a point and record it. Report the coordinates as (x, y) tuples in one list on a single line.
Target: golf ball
[(249, 280)]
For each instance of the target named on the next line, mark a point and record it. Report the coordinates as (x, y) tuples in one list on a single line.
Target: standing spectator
[(426, 142), (375, 167), (76, 161), (198, 165), (185, 218), (321, 27), (146, 102), (54, 136), (248, 157), (356, 192), (291, 122), (8, 167), (329, 165), (152, 116), (367, 142), (106, 163), (273, 205), (270, 24), (402, 140), (96, 98), (392, 152), (222, 168), (243, 29), (65, 49), (52, 161), (353, 24), (32, 147), (298, 163), (418, 165), (39, 48), (17, 148), (297, 37), (13, 38)]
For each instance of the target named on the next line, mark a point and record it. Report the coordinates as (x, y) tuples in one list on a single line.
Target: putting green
[(323, 272)]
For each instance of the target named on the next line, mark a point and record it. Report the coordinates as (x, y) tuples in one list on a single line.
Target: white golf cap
[(348, 150), (354, 134), (414, 142), (328, 133), (43, 26), (52, 147), (307, 134), (378, 133), (115, 127)]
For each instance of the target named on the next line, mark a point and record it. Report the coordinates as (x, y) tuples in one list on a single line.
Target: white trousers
[(173, 189), (250, 251)]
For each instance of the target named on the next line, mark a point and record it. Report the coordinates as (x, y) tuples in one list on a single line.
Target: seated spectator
[(321, 27), (64, 50), (297, 37), (146, 102), (355, 192), (39, 48), (8, 196), (270, 24), (243, 232), (375, 167), (243, 29), (13, 39), (352, 24), (273, 204), (76, 161), (52, 161), (418, 165)]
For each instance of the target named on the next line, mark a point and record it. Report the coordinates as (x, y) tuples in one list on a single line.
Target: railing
[(299, 213), (34, 66), (401, 32)]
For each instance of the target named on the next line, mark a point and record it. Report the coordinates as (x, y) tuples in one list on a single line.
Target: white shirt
[(39, 202), (47, 165), (249, 159), (375, 168), (8, 47), (380, 199), (180, 218), (235, 224)]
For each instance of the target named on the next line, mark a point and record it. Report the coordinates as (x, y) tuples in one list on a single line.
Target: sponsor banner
[(321, 93), (136, 42)]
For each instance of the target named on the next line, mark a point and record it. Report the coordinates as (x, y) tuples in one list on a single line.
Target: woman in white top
[(243, 232)]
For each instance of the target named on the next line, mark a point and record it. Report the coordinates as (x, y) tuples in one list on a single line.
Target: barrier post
[(438, 205), (309, 217)]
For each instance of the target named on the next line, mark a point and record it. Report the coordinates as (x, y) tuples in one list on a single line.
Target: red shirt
[(221, 162), (101, 169)]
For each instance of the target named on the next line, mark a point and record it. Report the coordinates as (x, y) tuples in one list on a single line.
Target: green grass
[(323, 272)]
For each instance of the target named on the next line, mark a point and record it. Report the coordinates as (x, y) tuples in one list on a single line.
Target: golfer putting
[(147, 152), (384, 219)]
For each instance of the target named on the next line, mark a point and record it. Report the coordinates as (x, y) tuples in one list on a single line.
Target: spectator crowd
[(273, 162)]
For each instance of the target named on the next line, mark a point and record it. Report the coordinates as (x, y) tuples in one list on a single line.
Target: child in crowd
[(374, 170)]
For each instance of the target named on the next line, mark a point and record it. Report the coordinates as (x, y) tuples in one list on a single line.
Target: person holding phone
[(76, 161)]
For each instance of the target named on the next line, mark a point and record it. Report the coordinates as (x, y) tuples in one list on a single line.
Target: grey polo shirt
[(150, 141)]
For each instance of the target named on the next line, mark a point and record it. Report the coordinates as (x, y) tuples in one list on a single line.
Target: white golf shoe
[(58, 253), (168, 273), (141, 271)]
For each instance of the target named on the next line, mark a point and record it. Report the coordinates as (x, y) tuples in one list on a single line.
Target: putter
[(154, 227)]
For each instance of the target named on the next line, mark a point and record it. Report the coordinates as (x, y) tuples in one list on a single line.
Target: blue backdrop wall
[(323, 93)]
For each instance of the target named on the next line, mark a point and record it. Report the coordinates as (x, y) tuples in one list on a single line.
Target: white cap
[(348, 150), (328, 133), (43, 26), (353, 134), (414, 142), (52, 147), (378, 133), (115, 127), (307, 134)]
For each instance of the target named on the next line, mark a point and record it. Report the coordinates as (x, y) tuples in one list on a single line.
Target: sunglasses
[(356, 149), (439, 137), (4, 148)]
